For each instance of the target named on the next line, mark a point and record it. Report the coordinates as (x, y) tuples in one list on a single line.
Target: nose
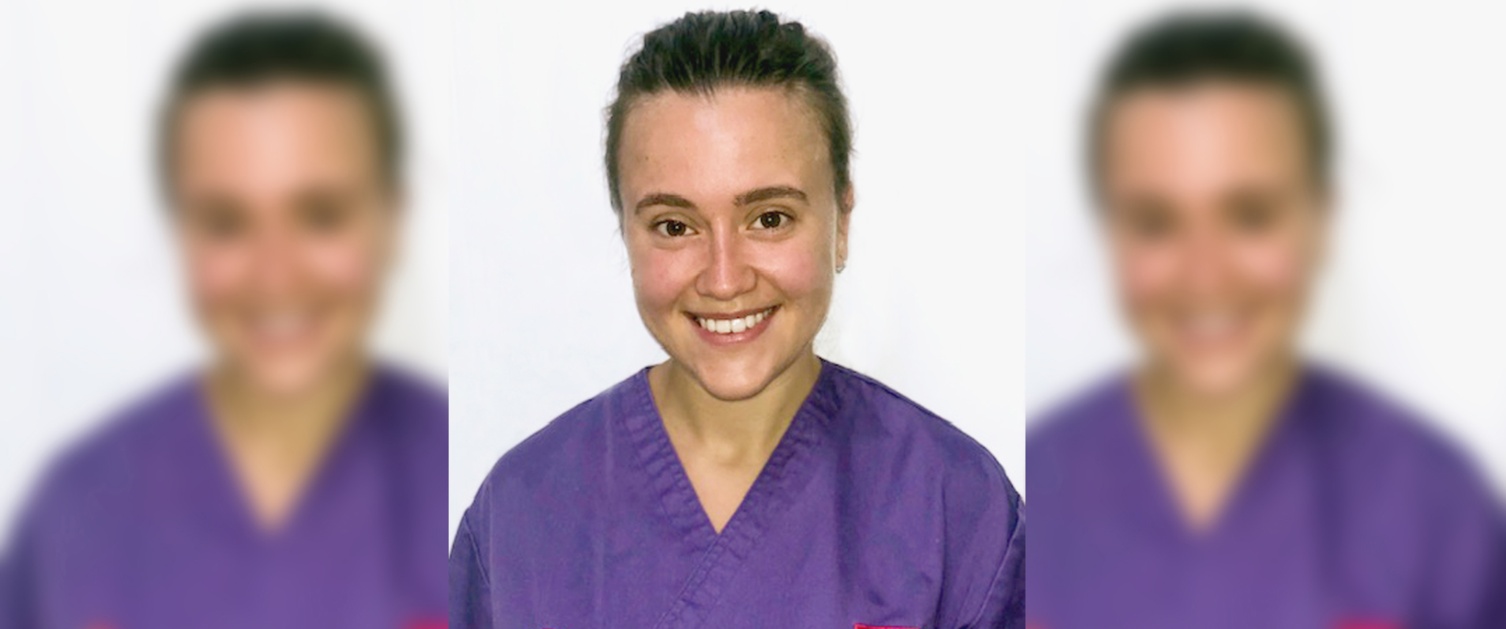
[(274, 264), (727, 273), (1205, 262)]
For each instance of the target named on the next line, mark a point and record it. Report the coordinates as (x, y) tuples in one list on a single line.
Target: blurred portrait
[(1229, 476), (292, 477)]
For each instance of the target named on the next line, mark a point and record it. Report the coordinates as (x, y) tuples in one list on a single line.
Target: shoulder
[(1077, 427), (561, 452), (97, 466), (878, 419), (410, 416), (1379, 446)]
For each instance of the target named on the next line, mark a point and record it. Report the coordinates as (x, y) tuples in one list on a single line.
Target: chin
[(289, 376), (1213, 377), (734, 381)]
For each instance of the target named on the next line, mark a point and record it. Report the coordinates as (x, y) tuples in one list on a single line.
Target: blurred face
[(285, 226), (733, 230), (1215, 225)]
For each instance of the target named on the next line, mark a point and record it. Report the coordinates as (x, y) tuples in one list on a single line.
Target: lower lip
[(735, 337)]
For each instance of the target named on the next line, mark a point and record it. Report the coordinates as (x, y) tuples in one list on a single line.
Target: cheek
[(1146, 273), (348, 265), (219, 273), (800, 268), (661, 276), (1275, 267)]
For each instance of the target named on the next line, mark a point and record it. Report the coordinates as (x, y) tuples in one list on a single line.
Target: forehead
[(272, 132), (730, 140), (1209, 134)]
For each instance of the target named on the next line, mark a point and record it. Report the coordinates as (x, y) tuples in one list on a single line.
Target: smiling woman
[(744, 481)]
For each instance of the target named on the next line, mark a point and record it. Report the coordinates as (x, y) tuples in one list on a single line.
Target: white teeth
[(280, 325), (733, 326), (1211, 325)]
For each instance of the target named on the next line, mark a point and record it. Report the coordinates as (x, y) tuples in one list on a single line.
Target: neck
[(747, 429), (242, 406), (276, 441), (1178, 407), (1206, 442)]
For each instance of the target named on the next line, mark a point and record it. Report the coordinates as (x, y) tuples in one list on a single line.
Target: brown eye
[(672, 228), (1148, 220), (219, 221), (321, 214), (1252, 215), (772, 220)]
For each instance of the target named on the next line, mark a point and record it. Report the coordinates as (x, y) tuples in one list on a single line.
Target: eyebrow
[(663, 198), (771, 192), (746, 198)]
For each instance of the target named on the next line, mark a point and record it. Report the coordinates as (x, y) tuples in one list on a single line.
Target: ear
[(844, 218)]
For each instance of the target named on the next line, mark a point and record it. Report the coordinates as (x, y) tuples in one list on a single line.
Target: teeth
[(1210, 325), (733, 326), (280, 325)]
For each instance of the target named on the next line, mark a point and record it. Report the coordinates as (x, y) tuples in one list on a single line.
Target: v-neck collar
[(786, 471), (223, 481), (1158, 501)]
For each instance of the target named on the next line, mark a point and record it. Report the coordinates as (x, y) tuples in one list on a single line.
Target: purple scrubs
[(1352, 516), (143, 526), (871, 512)]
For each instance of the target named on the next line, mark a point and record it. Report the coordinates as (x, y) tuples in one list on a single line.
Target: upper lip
[(729, 315)]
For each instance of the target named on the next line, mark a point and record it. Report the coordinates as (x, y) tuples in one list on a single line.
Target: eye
[(323, 215), (772, 220), (1253, 216), (671, 228), (219, 221)]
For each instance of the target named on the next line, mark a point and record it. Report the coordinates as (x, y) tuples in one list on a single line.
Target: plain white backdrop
[(92, 314), (931, 302), (1414, 299)]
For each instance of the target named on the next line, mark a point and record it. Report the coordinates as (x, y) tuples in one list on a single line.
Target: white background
[(92, 313), (1415, 294), (931, 302)]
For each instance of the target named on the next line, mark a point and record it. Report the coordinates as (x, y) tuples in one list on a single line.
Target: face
[(285, 225), (1215, 224), (733, 229)]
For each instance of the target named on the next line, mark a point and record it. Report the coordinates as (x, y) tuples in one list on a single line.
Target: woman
[(292, 482), (1225, 482), (744, 482)]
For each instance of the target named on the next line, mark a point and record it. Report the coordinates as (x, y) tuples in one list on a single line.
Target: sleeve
[(1492, 592), (1004, 606), (470, 590), (1466, 587), (985, 547)]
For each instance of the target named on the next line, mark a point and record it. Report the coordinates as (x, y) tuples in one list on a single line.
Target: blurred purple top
[(870, 512), (143, 526), (1351, 516)]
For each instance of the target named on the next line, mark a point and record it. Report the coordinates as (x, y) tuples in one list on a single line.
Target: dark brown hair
[(260, 47), (701, 52), (1185, 48)]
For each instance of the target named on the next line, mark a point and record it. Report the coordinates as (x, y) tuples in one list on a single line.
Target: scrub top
[(1351, 516), (143, 526), (871, 512)]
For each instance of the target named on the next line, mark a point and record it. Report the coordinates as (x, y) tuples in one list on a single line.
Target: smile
[(737, 323)]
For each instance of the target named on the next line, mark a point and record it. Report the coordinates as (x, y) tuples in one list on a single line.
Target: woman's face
[(1215, 224), (285, 226), (733, 229)]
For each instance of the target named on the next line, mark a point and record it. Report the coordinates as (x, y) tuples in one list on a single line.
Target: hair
[(1186, 48), (702, 52), (257, 48)]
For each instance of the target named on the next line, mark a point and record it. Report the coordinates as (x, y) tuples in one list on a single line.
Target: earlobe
[(844, 217)]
